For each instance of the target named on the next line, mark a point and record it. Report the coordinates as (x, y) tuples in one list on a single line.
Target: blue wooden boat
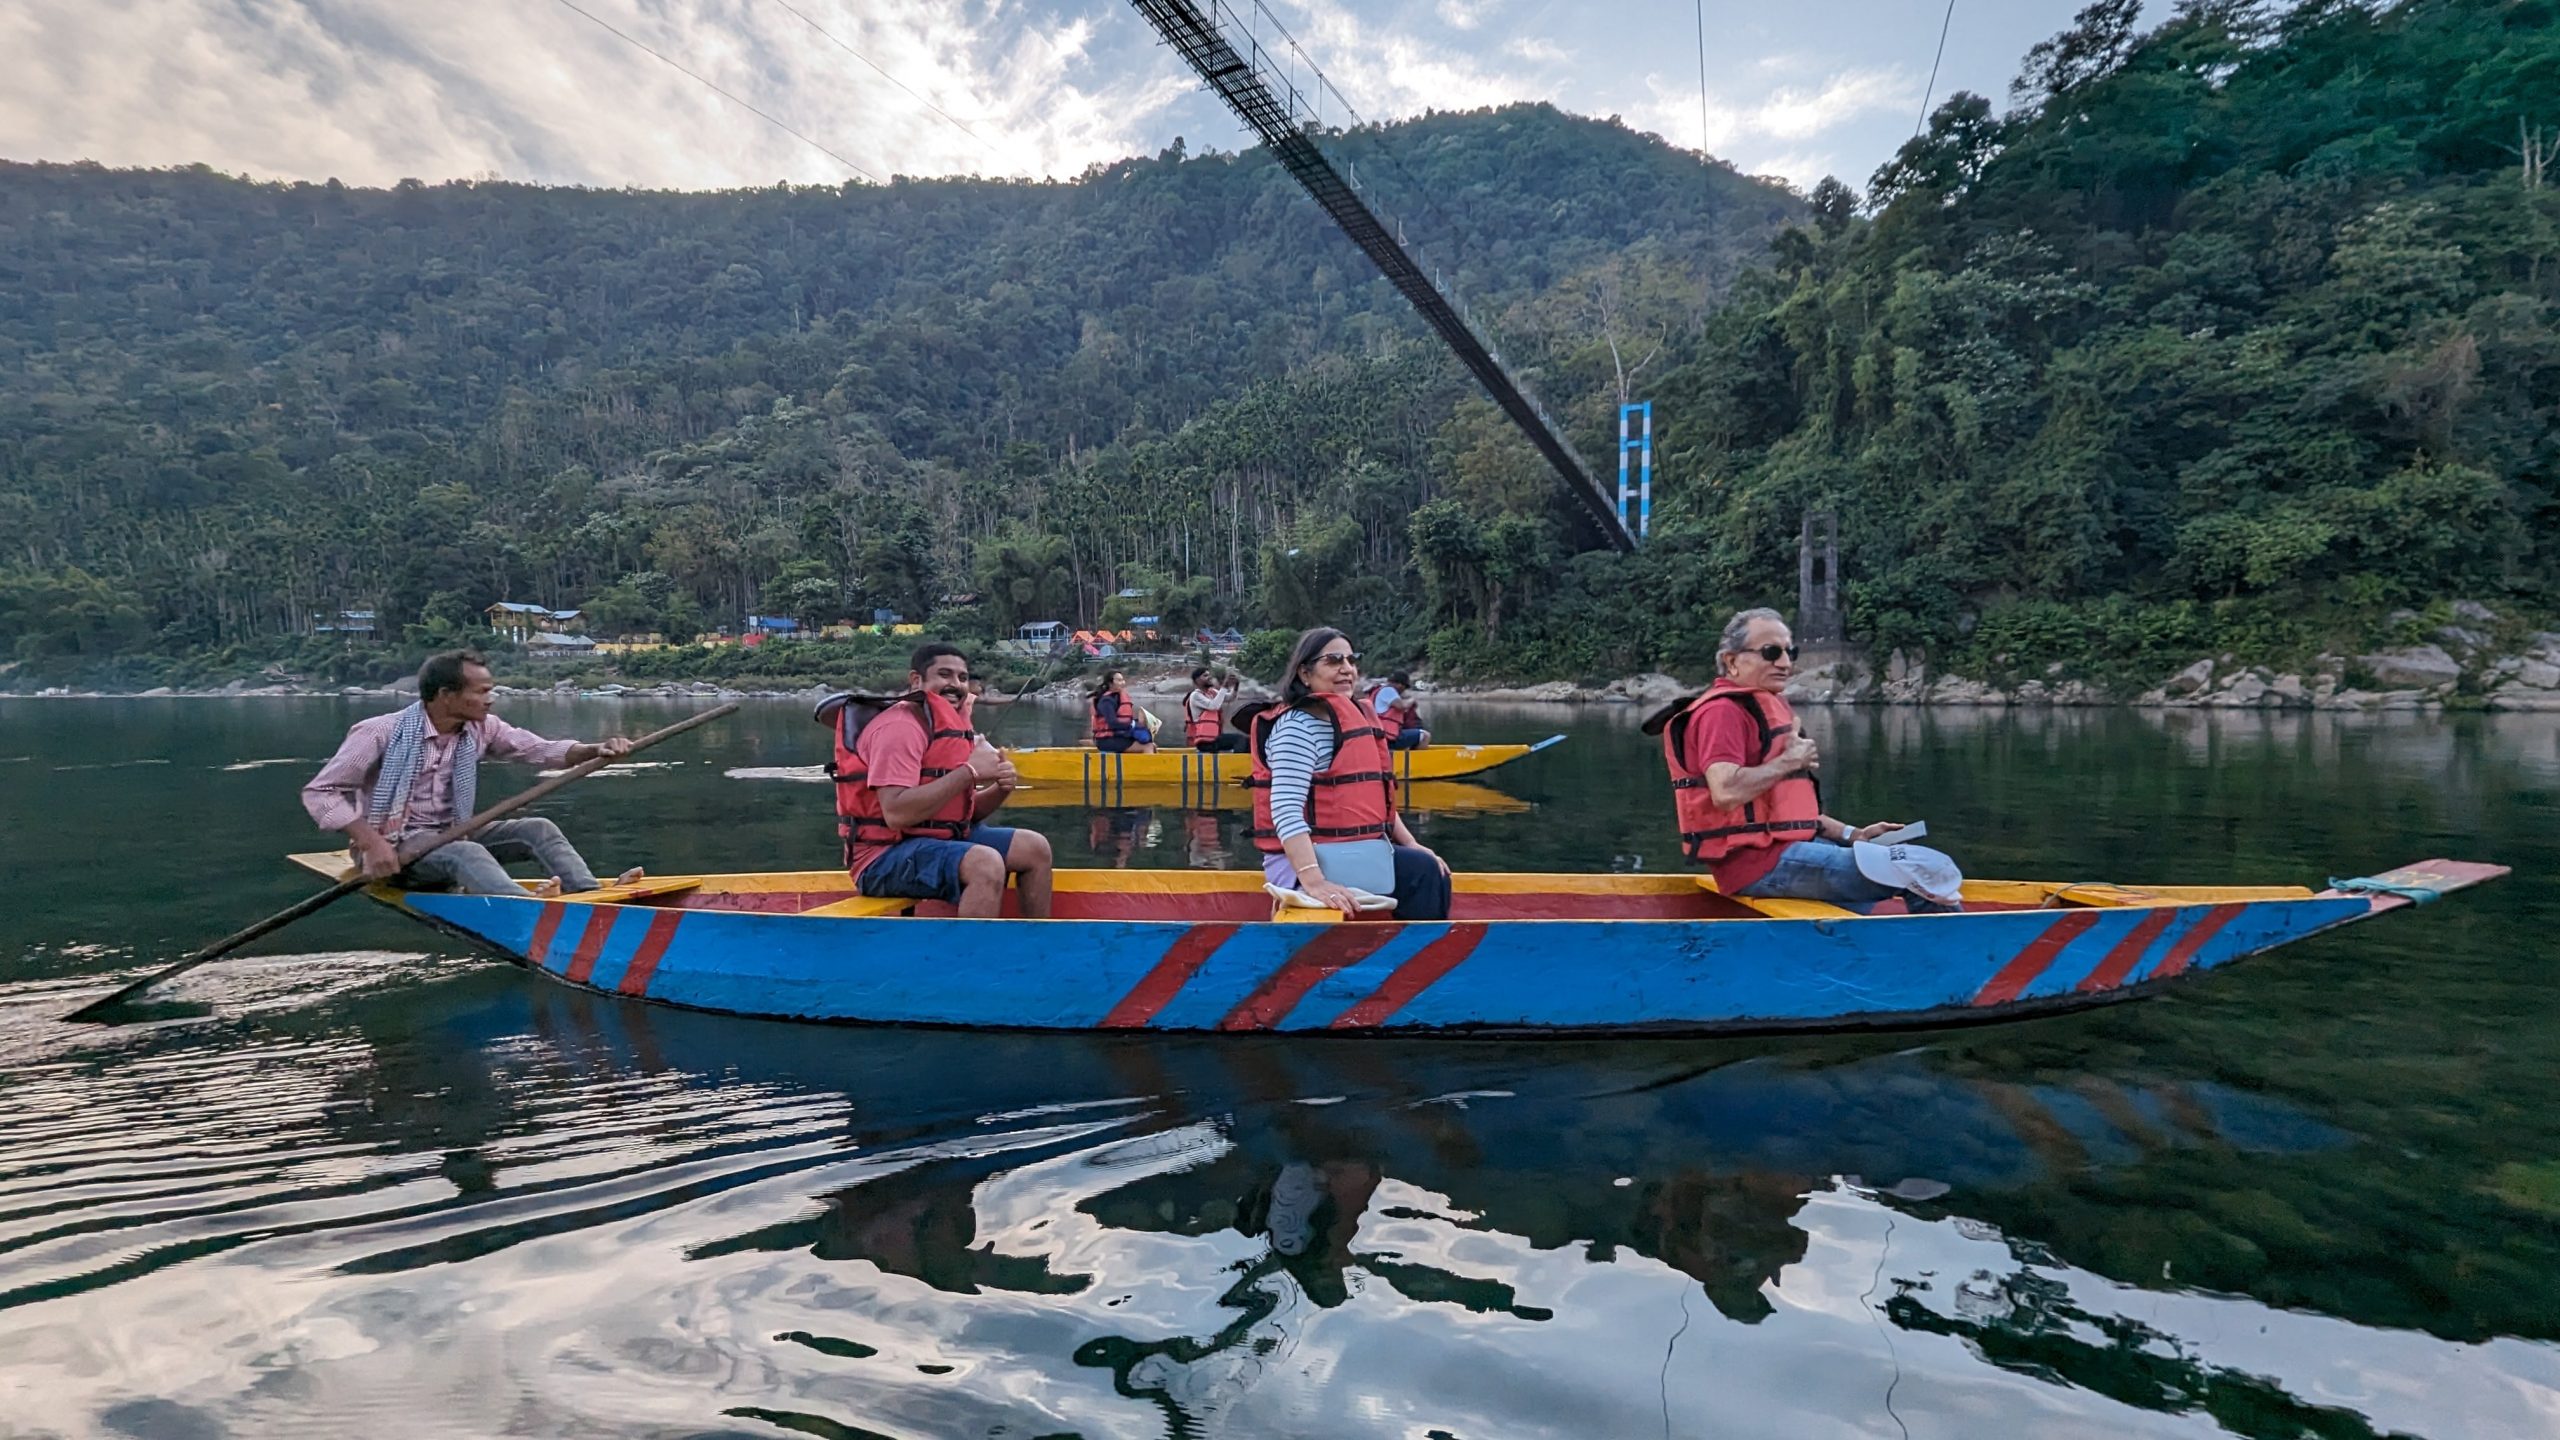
[(1195, 950)]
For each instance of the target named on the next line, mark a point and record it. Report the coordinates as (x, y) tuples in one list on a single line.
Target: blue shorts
[(923, 868)]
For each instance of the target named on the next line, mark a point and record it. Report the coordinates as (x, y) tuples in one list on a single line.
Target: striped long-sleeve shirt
[(1300, 747)]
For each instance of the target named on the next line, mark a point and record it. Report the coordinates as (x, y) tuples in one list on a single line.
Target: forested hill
[(2236, 334), (226, 405)]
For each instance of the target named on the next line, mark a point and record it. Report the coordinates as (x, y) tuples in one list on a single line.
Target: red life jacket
[(1785, 813), (1102, 725), (1402, 715), (948, 743), (1354, 798), (1199, 727)]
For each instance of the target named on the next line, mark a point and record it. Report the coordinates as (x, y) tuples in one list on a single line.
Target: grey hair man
[(1744, 787)]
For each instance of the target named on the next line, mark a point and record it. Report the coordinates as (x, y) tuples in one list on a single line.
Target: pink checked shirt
[(336, 796)]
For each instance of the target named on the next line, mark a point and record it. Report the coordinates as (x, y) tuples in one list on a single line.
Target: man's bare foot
[(546, 888), (632, 876)]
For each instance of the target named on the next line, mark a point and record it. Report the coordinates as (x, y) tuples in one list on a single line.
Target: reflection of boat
[(1192, 772), (1198, 950), (1435, 797)]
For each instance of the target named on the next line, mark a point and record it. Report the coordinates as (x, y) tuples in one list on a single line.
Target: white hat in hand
[(1304, 901), (1917, 868)]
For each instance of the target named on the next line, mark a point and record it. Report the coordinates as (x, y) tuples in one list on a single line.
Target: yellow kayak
[(1187, 771)]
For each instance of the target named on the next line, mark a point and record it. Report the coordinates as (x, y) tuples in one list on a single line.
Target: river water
[(366, 1182)]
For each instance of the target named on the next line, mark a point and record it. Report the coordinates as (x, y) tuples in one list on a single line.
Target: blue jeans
[(1818, 870), (921, 867)]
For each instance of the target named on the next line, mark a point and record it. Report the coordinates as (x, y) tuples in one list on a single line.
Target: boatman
[(914, 787), (416, 771), (1750, 809)]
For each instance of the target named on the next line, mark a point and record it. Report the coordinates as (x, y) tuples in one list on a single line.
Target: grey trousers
[(479, 866)]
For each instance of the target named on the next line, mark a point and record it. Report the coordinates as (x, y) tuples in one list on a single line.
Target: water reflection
[(491, 1207), (365, 1188)]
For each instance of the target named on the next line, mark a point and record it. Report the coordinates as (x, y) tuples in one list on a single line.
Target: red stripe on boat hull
[(653, 948), (590, 949), (538, 949), (1181, 961), (1412, 978), (1344, 943), (2183, 953), (2128, 952), (2037, 958)]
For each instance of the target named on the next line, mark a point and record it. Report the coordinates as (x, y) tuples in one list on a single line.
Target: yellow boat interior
[(1238, 895)]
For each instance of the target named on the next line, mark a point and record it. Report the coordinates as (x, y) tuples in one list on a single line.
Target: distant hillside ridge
[(235, 404)]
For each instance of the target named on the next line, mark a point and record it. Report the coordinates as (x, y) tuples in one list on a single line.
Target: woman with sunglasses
[(1750, 809), (1324, 802)]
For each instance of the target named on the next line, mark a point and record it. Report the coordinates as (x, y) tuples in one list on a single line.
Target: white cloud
[(1763, 134), (1792, 114), (374, 90), (1387, 73)]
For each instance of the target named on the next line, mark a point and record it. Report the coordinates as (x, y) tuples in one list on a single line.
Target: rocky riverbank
[(2478, 661)]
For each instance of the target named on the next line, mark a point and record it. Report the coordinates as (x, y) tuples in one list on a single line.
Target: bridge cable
[(1450, 230), (1930, 91), (1702, 79), (892, 79), (715, 88)]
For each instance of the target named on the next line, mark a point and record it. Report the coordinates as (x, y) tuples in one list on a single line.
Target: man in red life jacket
[(1749, 806), (913, 794)]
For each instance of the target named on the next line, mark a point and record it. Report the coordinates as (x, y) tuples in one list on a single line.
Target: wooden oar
[(409, 850)]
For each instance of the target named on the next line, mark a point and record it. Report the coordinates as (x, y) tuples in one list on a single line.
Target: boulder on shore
[(2190, 680), (1843, 683), (2412, 667)]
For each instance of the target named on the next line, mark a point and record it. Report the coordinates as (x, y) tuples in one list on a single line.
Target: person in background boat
[(1749, 807), (1324, 804), (415, 771), (1393, 702), (915, 793), (1204, 720), (1119, 726)]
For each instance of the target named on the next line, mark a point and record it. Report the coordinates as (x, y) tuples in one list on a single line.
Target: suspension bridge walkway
[(1225, 47)]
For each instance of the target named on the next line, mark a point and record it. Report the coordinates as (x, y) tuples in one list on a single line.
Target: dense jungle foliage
[(2235, 334)]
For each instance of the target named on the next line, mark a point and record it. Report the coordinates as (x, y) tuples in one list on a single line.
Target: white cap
[(1912, 867)]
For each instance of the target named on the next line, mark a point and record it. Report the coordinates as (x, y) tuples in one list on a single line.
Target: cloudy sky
[(371, 91)]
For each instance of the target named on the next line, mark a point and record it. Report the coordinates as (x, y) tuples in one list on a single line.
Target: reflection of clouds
[(2399, 1381), (645, 1241)]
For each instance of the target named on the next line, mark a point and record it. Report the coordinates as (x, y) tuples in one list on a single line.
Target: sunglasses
[(1771, 653), (1348, 657)]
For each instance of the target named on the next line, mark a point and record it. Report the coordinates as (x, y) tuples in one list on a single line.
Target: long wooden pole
[(410, 850)]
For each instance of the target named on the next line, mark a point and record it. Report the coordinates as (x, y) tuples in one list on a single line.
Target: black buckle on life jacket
[(1764, 827)]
